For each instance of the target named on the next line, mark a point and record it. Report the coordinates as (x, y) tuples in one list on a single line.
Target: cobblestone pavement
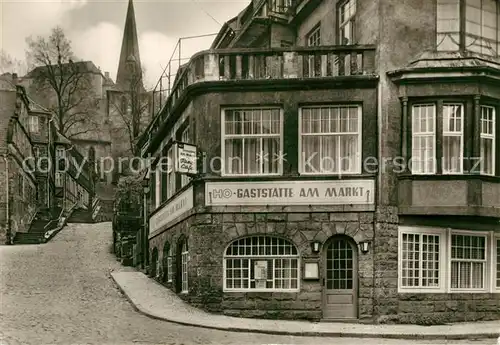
[(61, 293)]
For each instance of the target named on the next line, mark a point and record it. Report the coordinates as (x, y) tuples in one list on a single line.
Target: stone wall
[(427, 309), (209, 234)]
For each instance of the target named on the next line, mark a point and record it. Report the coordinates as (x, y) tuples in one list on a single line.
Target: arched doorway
[(340, 290), (154, 262)]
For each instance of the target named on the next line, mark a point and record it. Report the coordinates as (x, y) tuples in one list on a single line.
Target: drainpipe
[(7, 194)]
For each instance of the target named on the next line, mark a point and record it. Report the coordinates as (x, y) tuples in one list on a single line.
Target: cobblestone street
[(61, 293)]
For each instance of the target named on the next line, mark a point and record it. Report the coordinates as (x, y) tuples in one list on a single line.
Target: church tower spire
[(129, 66)]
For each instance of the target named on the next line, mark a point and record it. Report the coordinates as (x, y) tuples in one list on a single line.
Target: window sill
[(487, 178), (262, 290), (347, 173)]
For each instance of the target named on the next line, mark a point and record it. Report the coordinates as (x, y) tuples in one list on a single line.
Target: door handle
[(323, 281)]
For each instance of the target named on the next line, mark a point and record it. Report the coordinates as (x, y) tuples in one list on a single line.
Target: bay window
[(453, 142), (468, 25), (438, 142), (448, 260), (487, 137), (330, 140), (423, 158), (252, 141), (261, 263)]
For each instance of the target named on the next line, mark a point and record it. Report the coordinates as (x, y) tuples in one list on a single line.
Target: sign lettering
[(185, 161), (172, 210), (343, 192)]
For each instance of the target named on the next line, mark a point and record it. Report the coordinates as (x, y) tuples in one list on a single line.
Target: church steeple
[(129, 67)]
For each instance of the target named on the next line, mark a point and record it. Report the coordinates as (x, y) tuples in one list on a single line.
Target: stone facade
[(387, 87)]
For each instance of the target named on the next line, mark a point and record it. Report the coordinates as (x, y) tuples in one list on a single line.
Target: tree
[(8, 64), (63, 85), (131, 105)]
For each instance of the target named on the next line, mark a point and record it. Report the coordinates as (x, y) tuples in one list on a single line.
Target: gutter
[(7, 194)]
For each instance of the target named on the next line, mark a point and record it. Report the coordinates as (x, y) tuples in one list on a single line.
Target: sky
[(95, 28)]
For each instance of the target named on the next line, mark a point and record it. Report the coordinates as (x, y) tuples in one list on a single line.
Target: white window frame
[(491, 137), (184, 267), (261, 257), (170, 274), (486, 274), (495, 253), (442, 256), (170, 174), (185, 139), (224, 137), (446, 261), (314, 36), (459, 134), (33, 124), (157, 187), (359, 159), (347, 21), (423, 134)]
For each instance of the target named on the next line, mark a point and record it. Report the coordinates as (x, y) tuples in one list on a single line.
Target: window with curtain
[(468, 262), (448, 260), (481, 26), (347, 12), (453, 123), (330, 140), (487, 138), (261, 263), (423, 159), (252, 141)]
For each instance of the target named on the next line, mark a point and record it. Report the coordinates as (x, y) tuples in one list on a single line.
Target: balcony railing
[(264, 64), (280, 6)]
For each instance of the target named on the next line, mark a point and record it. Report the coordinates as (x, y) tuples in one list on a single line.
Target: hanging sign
[(185, 158)]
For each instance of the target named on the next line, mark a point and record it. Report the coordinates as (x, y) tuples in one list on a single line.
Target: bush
[(128, 195)]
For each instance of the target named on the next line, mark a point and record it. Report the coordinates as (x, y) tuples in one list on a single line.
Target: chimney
[(14, 78), (106, 74)]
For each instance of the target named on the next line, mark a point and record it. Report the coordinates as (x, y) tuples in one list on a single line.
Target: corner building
[(349, 165)]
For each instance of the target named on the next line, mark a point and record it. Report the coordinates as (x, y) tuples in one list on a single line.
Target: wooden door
[(340, 280)]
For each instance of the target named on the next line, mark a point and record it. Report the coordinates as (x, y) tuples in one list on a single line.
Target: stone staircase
[(42, 223), (81, 215)]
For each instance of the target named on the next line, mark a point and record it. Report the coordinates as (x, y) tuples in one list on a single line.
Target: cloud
[(101, 44), (26, 18), (157, 50)]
